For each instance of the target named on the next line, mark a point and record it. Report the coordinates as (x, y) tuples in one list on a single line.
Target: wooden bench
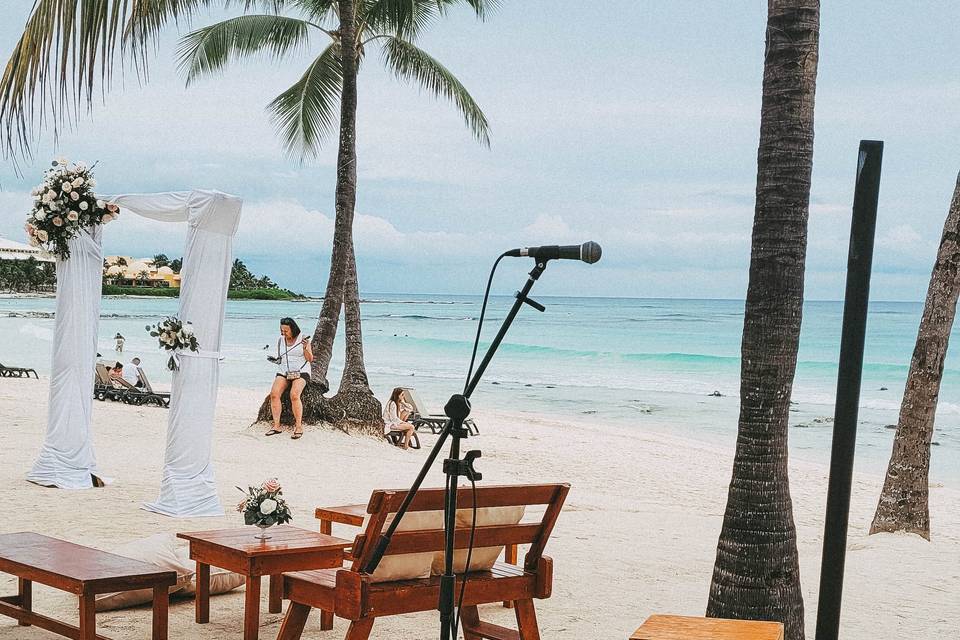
[(351, 594), (33, 557), (352, 515), (659, 627)]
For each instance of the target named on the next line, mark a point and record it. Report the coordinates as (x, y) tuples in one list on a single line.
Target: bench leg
[(88, 622), (161, 606), (360, 629), (527, 620), (203, 593), (251, 609), (275, 600), (470, 620), (25, 593), (326, 526), (510, 557), (294, 622), (326, 620)]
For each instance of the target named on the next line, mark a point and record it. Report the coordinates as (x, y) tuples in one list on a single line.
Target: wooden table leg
[(326, 620), (251, 609), (161, 605), (88, 622), (203, 593), (509, 556), (275, 602), (326, 526), (25, 593)]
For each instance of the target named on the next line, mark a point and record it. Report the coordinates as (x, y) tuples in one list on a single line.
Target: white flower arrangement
[(66, 188), (264, 506), (174, 335)]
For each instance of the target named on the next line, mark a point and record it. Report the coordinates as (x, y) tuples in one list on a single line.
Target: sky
[(633, 123)]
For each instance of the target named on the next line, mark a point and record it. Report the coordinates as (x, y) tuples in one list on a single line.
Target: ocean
[(644, 363)]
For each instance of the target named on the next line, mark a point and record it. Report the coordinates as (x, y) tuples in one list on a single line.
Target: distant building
[(126, 271), (10, 250)]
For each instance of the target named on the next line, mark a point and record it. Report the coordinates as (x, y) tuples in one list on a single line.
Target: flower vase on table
[(264, 507)]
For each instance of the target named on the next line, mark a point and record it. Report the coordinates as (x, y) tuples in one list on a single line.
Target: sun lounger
[(107, 388), (354, 595), (396, 439), (16, 372), (160, 397), (433, 421)]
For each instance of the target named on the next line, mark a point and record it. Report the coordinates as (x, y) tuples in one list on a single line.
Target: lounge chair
[(17, 372), (103, 386), (433, 421), (161, 398), (396, 439), (107, 388)]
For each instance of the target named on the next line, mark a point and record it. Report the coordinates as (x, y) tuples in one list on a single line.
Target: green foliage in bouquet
[(264, 505)]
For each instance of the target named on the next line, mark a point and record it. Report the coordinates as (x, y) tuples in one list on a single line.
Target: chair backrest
[(142, 375), (103, 373), (414, 401), (383, 503)]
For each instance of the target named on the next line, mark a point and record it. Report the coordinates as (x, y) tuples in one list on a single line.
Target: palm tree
[(904, 501), (160, 260), (756, 575), (63, 42)]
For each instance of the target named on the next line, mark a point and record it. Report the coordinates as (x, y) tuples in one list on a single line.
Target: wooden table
[(288, 549), (659, 627), (353, 515), (33, 557)]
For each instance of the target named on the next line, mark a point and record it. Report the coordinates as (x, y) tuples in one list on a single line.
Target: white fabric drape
[(66, 459), (188, 487)]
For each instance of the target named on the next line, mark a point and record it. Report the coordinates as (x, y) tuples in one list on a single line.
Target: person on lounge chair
[(118, 378), (134, 376), (395, 416)]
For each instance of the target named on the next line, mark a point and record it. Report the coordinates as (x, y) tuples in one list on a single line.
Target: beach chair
[(160, 398), (433, 421), (103, 386), (17, 372), (396, 439), (354, 595)]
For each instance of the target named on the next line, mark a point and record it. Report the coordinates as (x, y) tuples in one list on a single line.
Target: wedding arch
[(67, 459)]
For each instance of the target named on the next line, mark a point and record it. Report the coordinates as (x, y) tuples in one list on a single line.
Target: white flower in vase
[(268, 506), (84, 206)]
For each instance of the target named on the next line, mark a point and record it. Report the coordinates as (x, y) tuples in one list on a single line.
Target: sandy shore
[(638, 535)]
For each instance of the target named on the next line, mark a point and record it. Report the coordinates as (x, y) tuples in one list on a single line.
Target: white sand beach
[(637, 536)]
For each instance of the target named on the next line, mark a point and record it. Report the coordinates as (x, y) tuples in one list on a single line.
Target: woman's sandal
[(272, 432), (296, 435)]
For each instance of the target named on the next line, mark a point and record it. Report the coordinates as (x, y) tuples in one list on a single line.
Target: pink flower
[(58, 221), (73, 216), (271, 484)]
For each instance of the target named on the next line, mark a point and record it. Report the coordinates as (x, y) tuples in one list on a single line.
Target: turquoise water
[(651, 363)]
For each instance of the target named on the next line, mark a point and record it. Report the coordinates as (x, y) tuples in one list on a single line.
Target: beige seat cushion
[(160, 550), (407, 566), (482, 558), (221, 580)]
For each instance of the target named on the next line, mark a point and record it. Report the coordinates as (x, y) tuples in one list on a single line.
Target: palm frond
[(411, 63), (409, 18), (54, 66), (307, 112), (209, 49)]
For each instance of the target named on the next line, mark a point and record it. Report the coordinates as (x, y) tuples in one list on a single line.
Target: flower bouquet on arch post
[(64, 204), (176, 336), (264, 507)]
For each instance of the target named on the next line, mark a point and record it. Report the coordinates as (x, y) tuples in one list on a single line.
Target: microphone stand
[(457, 410)]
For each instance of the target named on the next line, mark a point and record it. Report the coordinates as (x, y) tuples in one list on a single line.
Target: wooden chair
[(349, 593)]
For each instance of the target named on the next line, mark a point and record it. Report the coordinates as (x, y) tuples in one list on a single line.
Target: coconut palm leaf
[(410, 18), (307, 112), (208, 50), (64, 43), (412, 63)]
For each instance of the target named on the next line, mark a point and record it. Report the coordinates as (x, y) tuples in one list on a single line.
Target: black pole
[(859, 262)]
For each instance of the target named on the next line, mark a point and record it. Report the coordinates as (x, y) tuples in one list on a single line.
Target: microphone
[(589, 252)]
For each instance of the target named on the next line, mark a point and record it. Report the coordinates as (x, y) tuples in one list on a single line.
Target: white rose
[(74, 196), (66, 186), (50, 195), (53, 206), (101, 204), (268, 506), (84, 206), (42, 235), (187, 329), (78, 181), (40, 215), (91, 183), (73, 216)]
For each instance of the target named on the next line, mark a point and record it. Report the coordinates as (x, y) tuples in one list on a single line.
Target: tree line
[(26, 276)]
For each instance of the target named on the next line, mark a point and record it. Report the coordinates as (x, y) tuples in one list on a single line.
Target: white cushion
[(159, 550), (482, 558), (221, 580), (407, 566)]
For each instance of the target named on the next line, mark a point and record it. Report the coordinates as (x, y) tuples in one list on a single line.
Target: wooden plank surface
[(75, 568), (284, 539), (664, 627), (350, 514)]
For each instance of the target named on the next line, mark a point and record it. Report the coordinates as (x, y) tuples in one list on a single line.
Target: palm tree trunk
[(904, 504), (757, 575)]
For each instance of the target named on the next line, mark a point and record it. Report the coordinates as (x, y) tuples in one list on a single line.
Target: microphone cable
[(473, 482)]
